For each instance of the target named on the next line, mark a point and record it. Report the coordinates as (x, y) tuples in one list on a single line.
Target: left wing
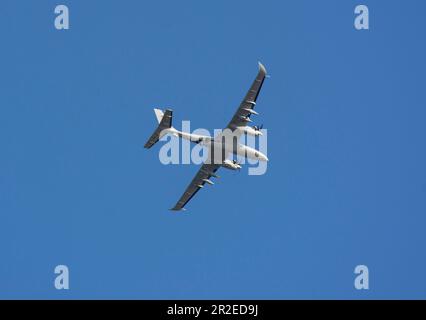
[(203, 175)]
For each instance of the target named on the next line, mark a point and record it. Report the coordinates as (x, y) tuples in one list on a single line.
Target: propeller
[(236, 162), (258, 128)]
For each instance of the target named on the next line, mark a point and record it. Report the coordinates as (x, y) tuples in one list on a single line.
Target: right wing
[(203, 175), (245, 110)]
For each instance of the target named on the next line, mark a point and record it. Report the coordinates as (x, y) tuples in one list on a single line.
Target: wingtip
[(177, 209), (262, 67)]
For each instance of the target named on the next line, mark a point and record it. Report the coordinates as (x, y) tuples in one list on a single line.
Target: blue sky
[(346, 181)]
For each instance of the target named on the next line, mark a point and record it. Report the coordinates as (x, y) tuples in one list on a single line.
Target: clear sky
[(346, 182)]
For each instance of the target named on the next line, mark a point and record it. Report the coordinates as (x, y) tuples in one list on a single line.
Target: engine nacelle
[(230, 164), (250, 131)]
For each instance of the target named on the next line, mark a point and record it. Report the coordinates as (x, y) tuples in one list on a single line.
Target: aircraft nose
[(263, 157)]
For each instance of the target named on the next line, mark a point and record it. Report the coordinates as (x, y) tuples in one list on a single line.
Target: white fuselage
[(231, 147)]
